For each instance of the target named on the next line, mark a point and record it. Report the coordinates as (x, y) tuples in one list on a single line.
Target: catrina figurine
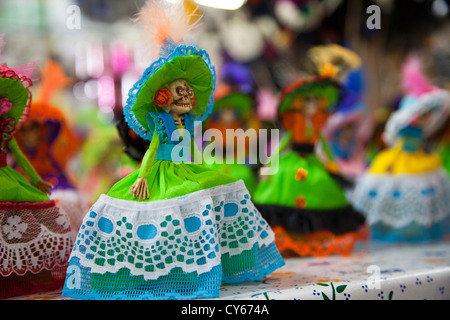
[(103, 161), (231, 111), (172, 229), (350, 126), (405, 191), (49, 142), (303, 199), (35, 236)]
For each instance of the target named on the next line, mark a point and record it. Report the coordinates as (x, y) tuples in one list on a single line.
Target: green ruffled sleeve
[(23, 162), (149, 157)]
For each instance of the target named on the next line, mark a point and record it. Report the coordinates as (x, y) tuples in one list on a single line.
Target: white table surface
[(371, 272)]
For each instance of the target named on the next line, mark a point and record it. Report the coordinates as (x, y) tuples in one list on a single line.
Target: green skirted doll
[(231, 112), (303, 199), (173, 229), (35, 236)]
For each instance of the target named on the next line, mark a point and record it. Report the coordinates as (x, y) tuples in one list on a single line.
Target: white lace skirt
[(73, 203), (35, 246), (180, 248), (405, 206)]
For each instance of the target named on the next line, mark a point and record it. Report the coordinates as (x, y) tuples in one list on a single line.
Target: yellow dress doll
[(405, 193)]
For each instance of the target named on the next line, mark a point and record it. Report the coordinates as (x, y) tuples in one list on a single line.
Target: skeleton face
[(183, 96), (311, 105)]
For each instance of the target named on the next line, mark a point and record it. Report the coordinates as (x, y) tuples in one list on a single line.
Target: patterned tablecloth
[(372, 272)]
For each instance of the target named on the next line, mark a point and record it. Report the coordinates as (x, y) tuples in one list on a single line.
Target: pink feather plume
[(162, 21), (27, 70), (414, 80)]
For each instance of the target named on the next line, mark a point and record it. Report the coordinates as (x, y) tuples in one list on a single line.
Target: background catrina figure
[(304, 201), (49, 142), (172, 229), (349, 129), (35, 237), (405, 191), (103, 160), (232, 110)]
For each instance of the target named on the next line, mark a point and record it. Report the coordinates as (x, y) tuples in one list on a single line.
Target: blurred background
[(259, 45)]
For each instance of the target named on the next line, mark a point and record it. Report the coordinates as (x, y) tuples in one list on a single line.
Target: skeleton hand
[(139, 189), (44, 186)]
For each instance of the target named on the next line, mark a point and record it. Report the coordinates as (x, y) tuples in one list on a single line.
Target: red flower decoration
[(163, 98), (301, 174), (300, 202)]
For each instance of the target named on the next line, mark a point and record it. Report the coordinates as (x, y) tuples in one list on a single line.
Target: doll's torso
[(412, 139), (304, 131), (170, 135), (407, 156), (166, 129)]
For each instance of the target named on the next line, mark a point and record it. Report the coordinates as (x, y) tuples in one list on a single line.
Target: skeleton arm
[(139, 189)]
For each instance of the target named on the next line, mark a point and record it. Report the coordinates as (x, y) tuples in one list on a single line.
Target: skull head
[(183, 96), (310, 105)]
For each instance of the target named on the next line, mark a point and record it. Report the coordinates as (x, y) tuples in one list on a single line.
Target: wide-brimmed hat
[(437, 102), (238, 101), (324, 56), (316, 85), (15, 89), (185, 62)]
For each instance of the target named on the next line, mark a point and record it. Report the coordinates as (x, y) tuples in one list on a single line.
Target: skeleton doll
[(174, 203), (176, 99)]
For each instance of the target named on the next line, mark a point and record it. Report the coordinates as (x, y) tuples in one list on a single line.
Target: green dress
[(317, 190), (168, 179), (241, 104), (237, 170), (303, 197), (14, 186)]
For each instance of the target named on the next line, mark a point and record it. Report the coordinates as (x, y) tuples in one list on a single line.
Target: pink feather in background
[(414, 80)]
